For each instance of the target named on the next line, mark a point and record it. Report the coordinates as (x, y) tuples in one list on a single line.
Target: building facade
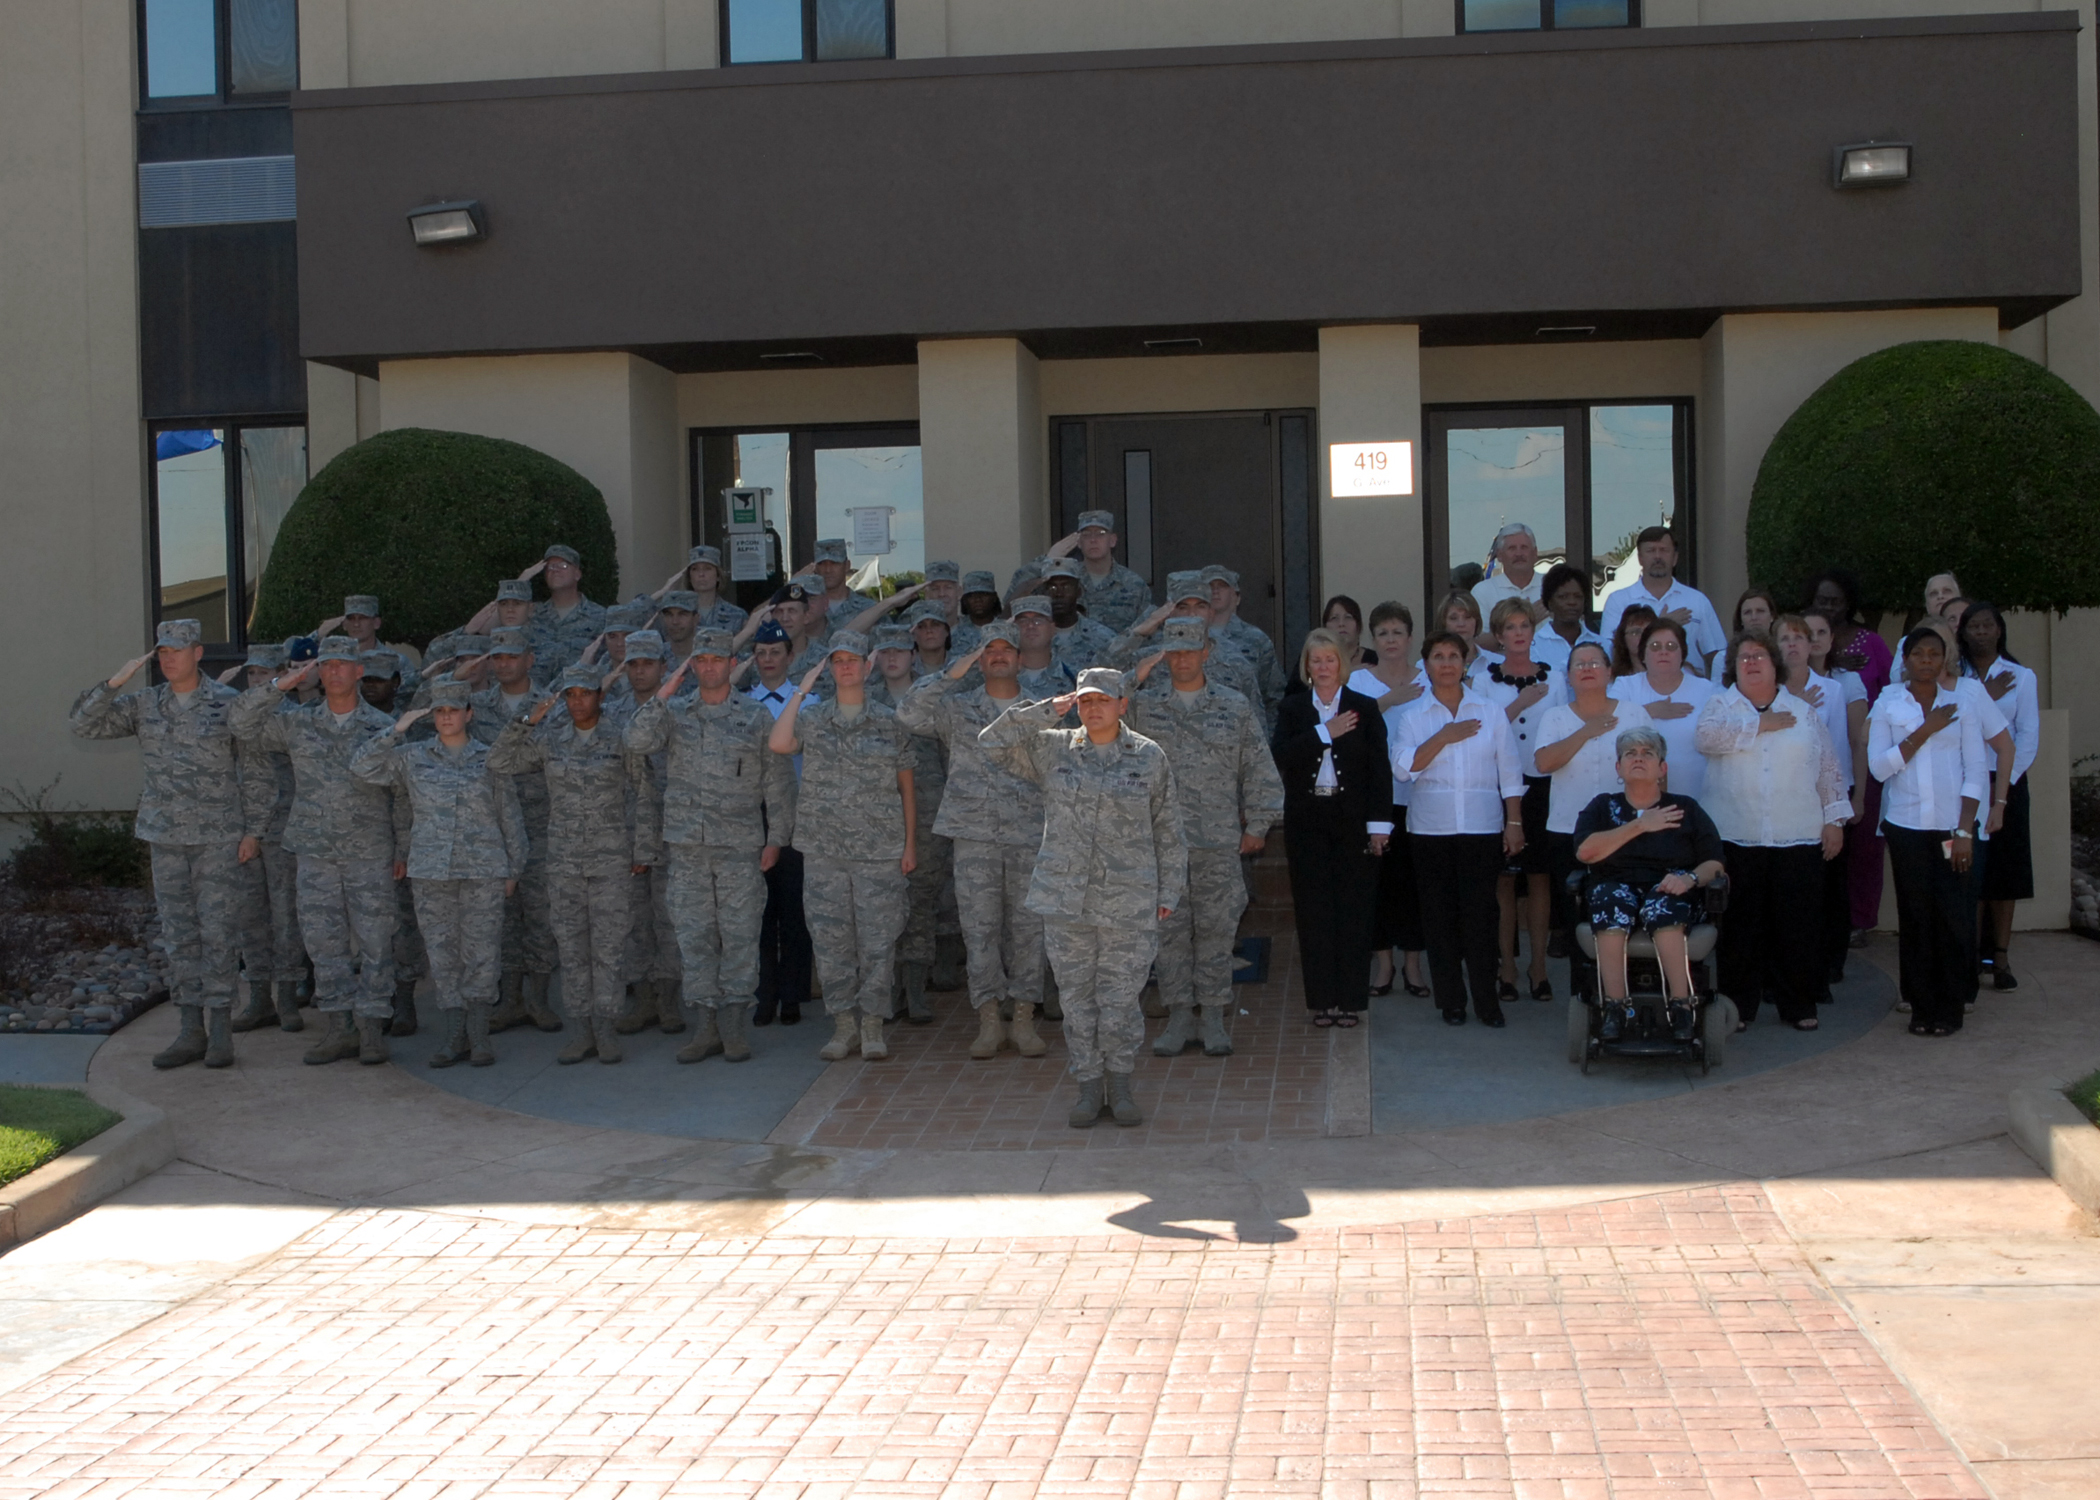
[(977, 265)]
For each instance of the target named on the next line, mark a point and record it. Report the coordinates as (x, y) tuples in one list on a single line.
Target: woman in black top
[(1337, 815), (1646, 850)]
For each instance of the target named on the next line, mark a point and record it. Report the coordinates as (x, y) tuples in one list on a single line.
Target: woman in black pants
[(1337, 816), (1465, 821)]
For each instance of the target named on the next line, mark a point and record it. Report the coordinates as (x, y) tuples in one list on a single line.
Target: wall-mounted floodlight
[(455, 223), (1874, 164)]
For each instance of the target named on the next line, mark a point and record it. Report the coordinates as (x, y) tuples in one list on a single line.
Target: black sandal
[(1810, 1024), (1346, 1019), (1419, 991), (1380, 991), (1505, 991), (2001, 974), (1543, 991), (1323, 1018)]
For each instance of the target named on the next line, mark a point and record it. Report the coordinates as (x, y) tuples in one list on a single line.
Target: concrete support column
[(1759, 368), (981, 445), (1371, 392), (611, 417)]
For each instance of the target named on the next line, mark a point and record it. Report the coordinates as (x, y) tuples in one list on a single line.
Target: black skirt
[(2008, 856), (1538, 803)]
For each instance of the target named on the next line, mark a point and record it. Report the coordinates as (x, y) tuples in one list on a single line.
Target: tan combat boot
[(845, 1036), (1025, 1040), (872, 1046), (991, 1032)]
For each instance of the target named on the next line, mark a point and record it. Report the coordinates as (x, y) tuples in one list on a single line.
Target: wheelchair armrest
[(1717, 895)]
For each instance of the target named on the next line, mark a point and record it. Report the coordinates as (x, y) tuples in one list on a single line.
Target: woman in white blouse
[(1465, 822), (2008, 869), (1774, 791), (1930, 759), (1523, 689), (1576, 751), (1394, 682), (1673, 698)]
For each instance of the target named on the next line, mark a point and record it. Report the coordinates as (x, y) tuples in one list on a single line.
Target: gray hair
[(1514, 528), (1641, 737)]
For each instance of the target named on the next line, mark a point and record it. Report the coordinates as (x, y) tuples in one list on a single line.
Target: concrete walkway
[(1834, 1278)]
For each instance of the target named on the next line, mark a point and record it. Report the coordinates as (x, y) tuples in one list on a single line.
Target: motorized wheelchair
[(1648, 1033)]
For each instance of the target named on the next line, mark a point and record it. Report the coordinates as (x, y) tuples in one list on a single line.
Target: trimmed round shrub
[(428, 521), (1936, 457)]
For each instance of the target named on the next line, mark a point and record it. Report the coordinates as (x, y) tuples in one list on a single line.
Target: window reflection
[(1633, 484), (182, 45), (265, 45), (765, 31), (1499, 475), (190, 496), (852, 28), (273, 472), (849, 478)]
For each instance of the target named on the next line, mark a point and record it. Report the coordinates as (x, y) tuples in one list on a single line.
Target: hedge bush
[(1936, 457), (428, 521)]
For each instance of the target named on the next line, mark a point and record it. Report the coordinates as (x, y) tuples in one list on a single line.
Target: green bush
[(39, 1124), (1935, 457), (428, 521), (72, 849), (2085, 1093)]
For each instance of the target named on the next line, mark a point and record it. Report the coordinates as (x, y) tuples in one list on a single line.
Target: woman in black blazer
[(1337, 816)]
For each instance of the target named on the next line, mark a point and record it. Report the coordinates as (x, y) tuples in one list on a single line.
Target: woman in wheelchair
[(1646, 851)]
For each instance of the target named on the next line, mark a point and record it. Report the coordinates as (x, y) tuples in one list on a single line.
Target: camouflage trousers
[(271, 947), (1195, 944), (409, 962), (592, 915), (927, 883), (1003, 938), (717, 898), (346, 910), (197, 891), (462, 922), (652, 938), (1100, 971), (528, 926), (856, 910)]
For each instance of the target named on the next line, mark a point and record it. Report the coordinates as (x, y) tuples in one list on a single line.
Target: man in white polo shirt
[(1658, 588), (1516, 552)]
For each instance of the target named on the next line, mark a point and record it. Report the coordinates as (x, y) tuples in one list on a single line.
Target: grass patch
[(39, 1124), (2085, 1093)]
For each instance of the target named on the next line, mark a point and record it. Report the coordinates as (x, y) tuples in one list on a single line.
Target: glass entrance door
[(1512, 469)]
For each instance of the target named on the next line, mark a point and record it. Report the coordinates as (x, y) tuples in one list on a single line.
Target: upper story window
[(1546, 15), (203, 53), (762, 31)]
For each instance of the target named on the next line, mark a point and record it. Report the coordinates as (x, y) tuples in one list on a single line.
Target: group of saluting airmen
[(619, 795)]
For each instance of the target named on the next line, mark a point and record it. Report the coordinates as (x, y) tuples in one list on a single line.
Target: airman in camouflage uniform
[(469, 842), (1112, 867), (707, 585), (728, 805), (528, 926), (201, 818), (347, 837), (678, 619), (1043, 673), (565, 622), (593, 783), (979, 591), (272, 951), (1080, 640), (930, 877), (1253, 641), (1230, 795), (653, 966), (1188, 598), (835, 607), (382, 688), (1115, 597), (994, 816), (856, 828), (361, 622)]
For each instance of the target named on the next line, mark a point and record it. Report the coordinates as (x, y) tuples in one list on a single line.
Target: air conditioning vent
[(228, 190)]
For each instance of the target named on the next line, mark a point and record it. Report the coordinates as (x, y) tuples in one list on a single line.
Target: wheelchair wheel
[(1716, 1025), (1578, 1032)]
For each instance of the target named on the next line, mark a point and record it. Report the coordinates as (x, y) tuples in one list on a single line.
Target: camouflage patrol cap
[(1106, 681), (943, 571), (450, 692), (684, 599), (567, 554), (1219, 573), (471, 645), (704, 554), (829, 549), (999, 630), (851, 642), (512, 590), (507, 641), (176, 634), (339, 648), (921, 612), (891, 638), (1033, 604), (1096, 520), (1183, 634), (266, 654), (361, 604), (577, 675), (1060, 567), (622, 618), (980, 581), (1188, 585), (381, 664), (714, 641), (645, 645)]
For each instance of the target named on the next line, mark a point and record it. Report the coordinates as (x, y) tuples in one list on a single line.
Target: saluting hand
[(1153, 621), (401, 724), (327, 625), (284, 682), (535, 570), (1144, 668), (809, 678), (590, 652), (960, 668), (670, 583), (670, 684), (1064, 702), (129, 670), (540, 710), (225, 678), (1064, 547)]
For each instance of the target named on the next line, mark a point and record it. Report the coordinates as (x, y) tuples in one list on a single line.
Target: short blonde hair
[(1507, 610), (1457, 599), (1320, 640)]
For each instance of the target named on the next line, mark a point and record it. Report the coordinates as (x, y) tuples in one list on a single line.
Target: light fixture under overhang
[(458, 222), (793, 357), (1871, 164), (1567, 331), (1184, 345)]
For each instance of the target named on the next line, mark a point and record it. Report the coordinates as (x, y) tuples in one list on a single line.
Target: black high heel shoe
[(2002, 974), (1419, 991)]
